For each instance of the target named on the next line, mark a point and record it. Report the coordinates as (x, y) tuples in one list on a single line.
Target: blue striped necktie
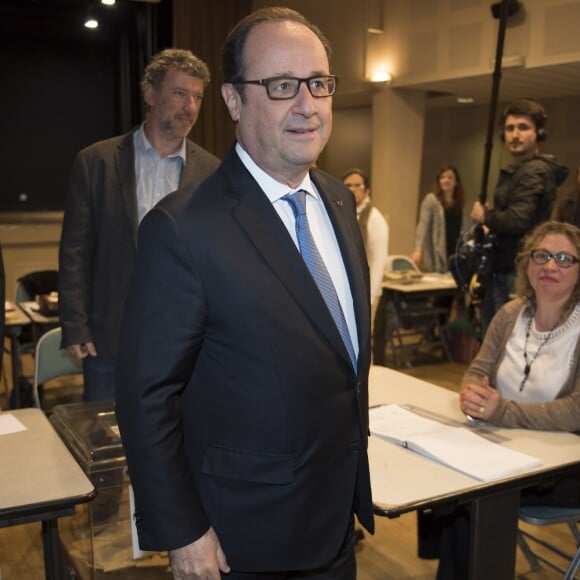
[(318, 269)]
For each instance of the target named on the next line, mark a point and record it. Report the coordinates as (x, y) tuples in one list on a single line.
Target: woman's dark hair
[(458, 193)]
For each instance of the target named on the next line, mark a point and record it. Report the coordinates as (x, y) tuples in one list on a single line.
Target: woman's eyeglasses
[(561, 259)]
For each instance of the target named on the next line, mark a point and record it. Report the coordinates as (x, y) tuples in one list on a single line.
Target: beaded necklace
[(529, 363)]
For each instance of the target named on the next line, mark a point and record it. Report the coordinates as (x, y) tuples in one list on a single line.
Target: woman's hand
[(416, 257), (479, 401)]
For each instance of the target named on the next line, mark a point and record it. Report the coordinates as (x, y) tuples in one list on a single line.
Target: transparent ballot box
[(100, 540)]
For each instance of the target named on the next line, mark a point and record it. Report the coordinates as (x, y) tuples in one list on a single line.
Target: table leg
[(15, 358), (494, 524), (51, 549)]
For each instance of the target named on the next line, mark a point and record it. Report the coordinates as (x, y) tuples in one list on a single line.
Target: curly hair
[(523, 287), (180, 59)]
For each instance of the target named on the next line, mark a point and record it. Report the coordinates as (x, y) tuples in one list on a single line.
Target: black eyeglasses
[(285, 88), (561, 259)]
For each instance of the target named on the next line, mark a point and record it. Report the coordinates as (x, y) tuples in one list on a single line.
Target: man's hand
[(477, 212), (82, 350), (200, 560)]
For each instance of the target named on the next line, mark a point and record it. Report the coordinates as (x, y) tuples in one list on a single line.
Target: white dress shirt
[(156, 176), (320, 226)]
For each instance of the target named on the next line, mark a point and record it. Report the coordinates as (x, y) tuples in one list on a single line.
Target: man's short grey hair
[(180, 59)]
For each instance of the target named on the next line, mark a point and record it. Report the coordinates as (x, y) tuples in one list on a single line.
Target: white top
[(320, 226), (549, 370), (377, 248)]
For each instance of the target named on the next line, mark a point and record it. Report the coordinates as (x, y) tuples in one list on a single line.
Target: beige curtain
[(201, 26)]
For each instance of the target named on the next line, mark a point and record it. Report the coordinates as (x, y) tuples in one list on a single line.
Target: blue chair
[(52, 362), (545, 516)]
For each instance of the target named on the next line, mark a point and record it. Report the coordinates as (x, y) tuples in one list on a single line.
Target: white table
[(39, 481), (431, 285), (32, 310), (404, 481)]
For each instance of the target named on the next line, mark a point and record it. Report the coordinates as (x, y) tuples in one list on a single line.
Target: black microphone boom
[(504, 9)]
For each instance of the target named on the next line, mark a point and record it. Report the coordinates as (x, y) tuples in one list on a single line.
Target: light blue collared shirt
[(320, 226), (155, 176)]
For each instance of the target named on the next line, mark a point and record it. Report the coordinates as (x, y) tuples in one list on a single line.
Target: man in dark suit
[(243, 414), (112, 185)]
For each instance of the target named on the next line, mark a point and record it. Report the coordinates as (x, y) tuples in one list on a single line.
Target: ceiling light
[(108, 2), (381, 76), (465, 100), (91, 23)]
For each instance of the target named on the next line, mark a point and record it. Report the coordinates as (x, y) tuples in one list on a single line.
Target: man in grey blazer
[(242, 407), (113, 184)]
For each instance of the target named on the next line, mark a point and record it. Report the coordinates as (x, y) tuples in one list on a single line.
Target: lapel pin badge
[(339, 202)]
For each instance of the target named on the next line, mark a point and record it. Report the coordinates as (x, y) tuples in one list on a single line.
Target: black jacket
[(523, 198)]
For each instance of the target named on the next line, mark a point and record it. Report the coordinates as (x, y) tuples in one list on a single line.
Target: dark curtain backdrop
[(202, 26)]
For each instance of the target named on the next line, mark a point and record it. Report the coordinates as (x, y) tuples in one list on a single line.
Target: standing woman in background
[(440, 222)]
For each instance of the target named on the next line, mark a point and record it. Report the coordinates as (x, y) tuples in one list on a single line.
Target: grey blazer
[(99, 238)]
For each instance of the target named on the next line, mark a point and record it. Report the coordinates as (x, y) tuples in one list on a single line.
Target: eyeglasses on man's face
[(284, 88), (355, 185), (561, 259)]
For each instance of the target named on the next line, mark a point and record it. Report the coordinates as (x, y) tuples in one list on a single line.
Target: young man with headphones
[(523, 197)]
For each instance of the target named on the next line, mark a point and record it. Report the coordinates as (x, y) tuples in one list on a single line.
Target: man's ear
[(149, 94), (232, 100)]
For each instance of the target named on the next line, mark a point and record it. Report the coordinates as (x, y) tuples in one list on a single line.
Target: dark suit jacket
[(99, 238), (237, 404)]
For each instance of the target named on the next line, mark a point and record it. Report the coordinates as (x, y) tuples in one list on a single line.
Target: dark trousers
[(99, 378), (343, 567), (497, 292)]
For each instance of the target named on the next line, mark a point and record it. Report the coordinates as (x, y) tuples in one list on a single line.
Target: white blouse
[(551, 367)]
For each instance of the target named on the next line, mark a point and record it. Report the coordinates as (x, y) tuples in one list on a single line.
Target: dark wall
[(65, 87)]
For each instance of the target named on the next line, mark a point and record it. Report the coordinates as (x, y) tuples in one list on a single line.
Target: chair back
[(52, 361), (400, 263)]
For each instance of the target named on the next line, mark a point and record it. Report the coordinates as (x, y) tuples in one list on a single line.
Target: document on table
[(10, 424), (456, 447)]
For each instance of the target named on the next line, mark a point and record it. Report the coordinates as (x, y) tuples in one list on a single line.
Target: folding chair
[(51, 362), (545, 516), (417, 316)]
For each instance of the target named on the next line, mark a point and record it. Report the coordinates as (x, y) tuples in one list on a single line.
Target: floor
[(389, 554)]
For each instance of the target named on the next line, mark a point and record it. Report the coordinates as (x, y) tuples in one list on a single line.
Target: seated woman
[(526, 375)]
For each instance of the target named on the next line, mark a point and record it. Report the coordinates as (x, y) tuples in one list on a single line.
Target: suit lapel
[(188, 173), (259, 219), (125, 160), (338, 203)]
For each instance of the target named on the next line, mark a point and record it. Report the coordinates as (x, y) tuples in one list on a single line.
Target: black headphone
[(531, 109)]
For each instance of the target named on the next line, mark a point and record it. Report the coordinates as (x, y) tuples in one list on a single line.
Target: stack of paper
[(456, 447)]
